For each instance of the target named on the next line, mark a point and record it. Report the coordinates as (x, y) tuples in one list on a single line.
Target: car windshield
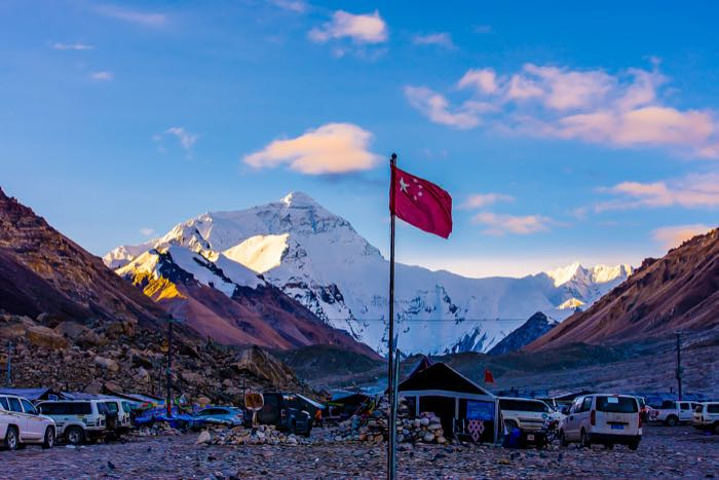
[(617, 404), (3, 403)]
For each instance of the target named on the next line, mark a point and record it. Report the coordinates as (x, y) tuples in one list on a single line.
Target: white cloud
[(330, 149), (187, 139), (671, 237), (498, 224), (483, 79), (692, 191), (102, 76), (132, 16), (442, 39), (480, 200), (362, 28), (436, 107), (298, 6), (147, 231), (627, 109), (71, 46)]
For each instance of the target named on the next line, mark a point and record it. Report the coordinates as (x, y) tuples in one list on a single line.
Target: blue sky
[(576, 131)]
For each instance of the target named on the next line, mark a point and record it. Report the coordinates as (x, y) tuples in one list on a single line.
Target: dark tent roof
[(441, 376), (423, 364)]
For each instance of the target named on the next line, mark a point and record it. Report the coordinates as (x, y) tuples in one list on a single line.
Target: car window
[(4, 404), (112, 407), (587, 404), (15, 405), (523, 406), (713, 408), (577, 407), (698, 409), (27, 406), (617, 404), (684, 406)]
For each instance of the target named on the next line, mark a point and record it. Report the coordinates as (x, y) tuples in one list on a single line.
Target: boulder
[(106, 363), (204, 438), (46, 337)]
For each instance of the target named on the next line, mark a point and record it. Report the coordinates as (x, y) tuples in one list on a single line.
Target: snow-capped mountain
[(318, 258)]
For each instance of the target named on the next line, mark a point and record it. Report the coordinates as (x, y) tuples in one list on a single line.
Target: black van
[(286, 412)]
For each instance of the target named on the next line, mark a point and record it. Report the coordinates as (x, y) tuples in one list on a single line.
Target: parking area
[(668, 452)]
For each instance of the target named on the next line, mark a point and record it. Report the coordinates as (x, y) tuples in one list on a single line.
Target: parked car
[(20, 424), (672, 412), (706, 416), (605, 419), (78, 421), (285, 412), (533, 418), (231, 416)]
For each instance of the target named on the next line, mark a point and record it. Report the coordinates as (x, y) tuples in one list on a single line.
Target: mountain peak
[(298, 199)]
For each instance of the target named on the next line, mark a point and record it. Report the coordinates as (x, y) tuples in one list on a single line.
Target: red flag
[(420, 203), (488, 377)]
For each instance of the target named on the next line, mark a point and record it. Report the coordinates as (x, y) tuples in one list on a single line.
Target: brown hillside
[(678, 291)]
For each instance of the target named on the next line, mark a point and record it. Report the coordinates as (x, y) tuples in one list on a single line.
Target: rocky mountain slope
[(317, 258), (677, 292), (43, 271), (222, 300), (537, 325)]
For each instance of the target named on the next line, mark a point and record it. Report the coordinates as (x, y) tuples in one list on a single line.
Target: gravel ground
[(664, 452)]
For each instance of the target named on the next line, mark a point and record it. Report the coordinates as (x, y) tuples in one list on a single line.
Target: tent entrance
[(443, 407)]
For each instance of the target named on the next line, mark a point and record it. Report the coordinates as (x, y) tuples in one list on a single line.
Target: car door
[(685, 411), (571, 430), (35, 424), (19, 415)]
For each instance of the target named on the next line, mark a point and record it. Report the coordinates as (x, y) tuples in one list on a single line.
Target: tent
[(464, 407), (33, 394)]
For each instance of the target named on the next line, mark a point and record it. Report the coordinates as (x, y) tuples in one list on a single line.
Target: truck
[(673, 412)]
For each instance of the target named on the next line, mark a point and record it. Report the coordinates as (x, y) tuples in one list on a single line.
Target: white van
[(20, 423), (605, 419), (706, 416), (77, 420)]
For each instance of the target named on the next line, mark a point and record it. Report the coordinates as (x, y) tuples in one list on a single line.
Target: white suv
[(526, 414), (20, 423), (77, 420), (606, 419), (706, 416)]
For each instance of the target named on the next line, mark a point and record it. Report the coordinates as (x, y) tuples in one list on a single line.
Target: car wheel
[(12, 441), (49, 441), (716, 428), (672, 421), (584, 440), (634, 445), (563, 439), (75, 435)]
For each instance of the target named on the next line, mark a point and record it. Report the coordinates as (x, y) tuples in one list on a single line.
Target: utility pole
[(8, 379), (168, 401), (679, 363)]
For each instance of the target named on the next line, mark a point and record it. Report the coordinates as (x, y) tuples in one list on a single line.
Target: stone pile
[(262, 435), (427, 428), (157, 429)]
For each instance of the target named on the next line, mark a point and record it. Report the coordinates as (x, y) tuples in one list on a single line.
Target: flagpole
[(391, 380)]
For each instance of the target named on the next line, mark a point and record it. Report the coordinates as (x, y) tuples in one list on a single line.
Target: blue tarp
[(32, 394)]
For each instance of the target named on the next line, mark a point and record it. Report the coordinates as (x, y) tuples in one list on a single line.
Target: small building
[(464, 407)]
